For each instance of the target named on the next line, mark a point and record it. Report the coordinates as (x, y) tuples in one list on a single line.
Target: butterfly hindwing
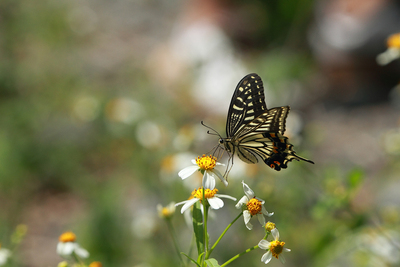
[(253, 131)]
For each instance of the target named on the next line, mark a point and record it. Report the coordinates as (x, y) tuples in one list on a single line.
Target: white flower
[(210, 194), (253, 207), (392, 52), (275, 248), (67, 246), (4, 255), (206, 165), (166, 212)]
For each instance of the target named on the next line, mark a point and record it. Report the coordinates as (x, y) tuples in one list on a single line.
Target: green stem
[(173, 236), (205, 210), (76, 258), (220, 237), (238, 255)]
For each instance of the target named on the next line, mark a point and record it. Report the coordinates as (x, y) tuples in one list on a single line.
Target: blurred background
[(101, 103)]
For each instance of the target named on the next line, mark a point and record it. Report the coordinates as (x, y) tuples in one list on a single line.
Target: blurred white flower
[(86, 108), (4, 255), (149, 134), (144, 224), (166, 212), (124, 110), (392, 52), (67, 246)]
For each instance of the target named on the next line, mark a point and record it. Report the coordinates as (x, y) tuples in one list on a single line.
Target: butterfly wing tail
[(283, 153)]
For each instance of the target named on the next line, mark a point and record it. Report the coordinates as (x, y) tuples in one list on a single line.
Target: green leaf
[(198, 227), (192, 260), (212, 263)]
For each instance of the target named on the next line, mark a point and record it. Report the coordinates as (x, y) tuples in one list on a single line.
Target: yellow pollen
[(254, 206), (67, 237), (269, 226), (276, 247), (206, 162), (394, 40), (208, 193)]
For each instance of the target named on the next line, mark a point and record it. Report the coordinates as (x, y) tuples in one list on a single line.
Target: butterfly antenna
[(214, 131)]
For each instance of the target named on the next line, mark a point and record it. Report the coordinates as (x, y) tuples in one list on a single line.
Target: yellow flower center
[(165, 212), (269, 226), (394, 41), (276, 247), (254, 206), (206, 162), (67, 237), (96, 264), (208, 193)]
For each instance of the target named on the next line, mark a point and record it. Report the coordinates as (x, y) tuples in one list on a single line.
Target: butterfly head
[(226, 143)]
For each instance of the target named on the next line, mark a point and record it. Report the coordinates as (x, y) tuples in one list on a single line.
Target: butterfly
[(253, 131)]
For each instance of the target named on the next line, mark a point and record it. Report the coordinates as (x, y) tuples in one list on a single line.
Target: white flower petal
[(180, 203), (247, 217), (249, 226), (266, 257), (219, 164), (275, 233), (81, 252), (265, 212), (188, 204), (159, 208), (249, 193), (4, 255), (194, 162), (261, 219), (65, 248), (215, 203), (187, 215), (282, 258), (286, 250), (208, 180), (220, 176), (242, 201), (171, 207), (389, 55), (226, 196), (186, 172), (264, 244)]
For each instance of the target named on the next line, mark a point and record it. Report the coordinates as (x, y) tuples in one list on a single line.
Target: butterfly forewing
[(247, 103), (255, 131), (272, 120)]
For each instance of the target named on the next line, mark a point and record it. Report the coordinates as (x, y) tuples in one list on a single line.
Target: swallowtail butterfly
[(254, 131)]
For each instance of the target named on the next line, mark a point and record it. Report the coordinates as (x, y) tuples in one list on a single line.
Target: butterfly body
[(253, 131)]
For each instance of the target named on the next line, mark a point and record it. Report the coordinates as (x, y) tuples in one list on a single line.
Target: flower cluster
[(207, 196)]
